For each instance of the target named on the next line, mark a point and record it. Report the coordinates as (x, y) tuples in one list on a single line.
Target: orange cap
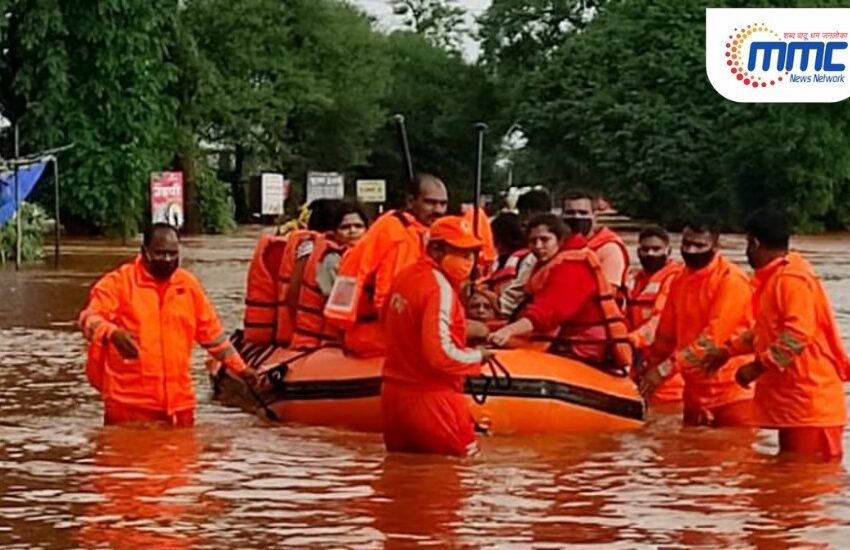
[(456, 231)]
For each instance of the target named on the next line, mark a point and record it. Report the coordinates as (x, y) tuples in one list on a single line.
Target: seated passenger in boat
[(482, 305), (310, 330), (368, 270), (511, 292), (482, 313), (268, 317), (510, 241), (569, 296)]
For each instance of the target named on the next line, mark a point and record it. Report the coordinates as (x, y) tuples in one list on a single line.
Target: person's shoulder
[(123, 272), (186, 278)]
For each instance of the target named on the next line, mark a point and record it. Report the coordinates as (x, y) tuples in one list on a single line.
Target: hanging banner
[(274, 190), (167, 198), (372, 190), (325, 185)]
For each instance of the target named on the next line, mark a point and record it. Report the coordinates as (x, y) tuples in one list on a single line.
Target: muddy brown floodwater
[(235, 481)]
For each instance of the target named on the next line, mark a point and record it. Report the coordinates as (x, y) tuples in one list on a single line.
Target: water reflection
[(146, 482)]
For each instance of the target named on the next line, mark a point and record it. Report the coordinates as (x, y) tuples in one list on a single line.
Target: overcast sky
[(381, 9)]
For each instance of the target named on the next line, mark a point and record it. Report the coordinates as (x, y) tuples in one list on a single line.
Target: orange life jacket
[(647, 295), (645, 291), (614, 324), (606, 236), (311, 331), (501, 277), (286, 316), (261, 298)]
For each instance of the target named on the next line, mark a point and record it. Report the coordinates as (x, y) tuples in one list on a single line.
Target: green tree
[(442, 97), (33, 71), (442, 22), (625, 106), (297, 94), (93, 73)]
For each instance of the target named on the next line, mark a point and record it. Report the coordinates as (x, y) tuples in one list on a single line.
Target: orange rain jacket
[(165, 320), (392, 243), (645, 300), (796, 340), (423, 406), (705, 307)]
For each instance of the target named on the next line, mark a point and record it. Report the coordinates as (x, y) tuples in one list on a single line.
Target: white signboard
[(372, 190), (325, 185), (273, 192)]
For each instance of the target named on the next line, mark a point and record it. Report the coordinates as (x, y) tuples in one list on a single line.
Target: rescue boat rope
[(495, 380)]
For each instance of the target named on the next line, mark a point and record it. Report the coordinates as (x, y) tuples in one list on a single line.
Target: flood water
[(235, 481)]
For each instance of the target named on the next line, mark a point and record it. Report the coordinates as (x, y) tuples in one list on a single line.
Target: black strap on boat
[(277, 374), (502, 383)]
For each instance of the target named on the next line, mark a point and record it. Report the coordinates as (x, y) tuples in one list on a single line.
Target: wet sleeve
[(727, 314), (795, 301), (741, 343), (664, 343), (209, 332), (97, 320), (443, 349), (552, 306)]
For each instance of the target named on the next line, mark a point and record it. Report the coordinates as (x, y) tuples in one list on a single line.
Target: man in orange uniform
[(423, 406), (367, 271), (141, 321), (647, 295), (800, 362), (708, 302), (579, 211)]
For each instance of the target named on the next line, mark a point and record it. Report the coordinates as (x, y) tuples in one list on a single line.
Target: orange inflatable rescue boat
[(521, 392)]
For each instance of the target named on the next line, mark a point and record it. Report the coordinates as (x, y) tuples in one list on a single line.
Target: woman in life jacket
[(320, 271), (569, 297), (350, 224)]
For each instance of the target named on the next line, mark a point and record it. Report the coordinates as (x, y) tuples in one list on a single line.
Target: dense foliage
[(610, 94)]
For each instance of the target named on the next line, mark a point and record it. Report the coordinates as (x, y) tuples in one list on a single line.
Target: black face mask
[(698, 260), (652, 264), (162, 270), (581, 226)]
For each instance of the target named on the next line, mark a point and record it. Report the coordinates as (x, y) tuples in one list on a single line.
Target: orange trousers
[(119, 413), (426, 421), (732, 415), (812, 441)]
